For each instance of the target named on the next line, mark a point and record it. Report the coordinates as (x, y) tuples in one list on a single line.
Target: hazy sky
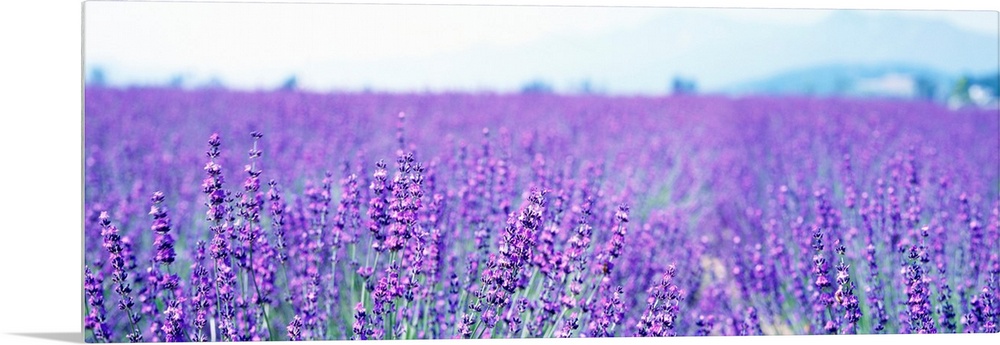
[(340, 46)]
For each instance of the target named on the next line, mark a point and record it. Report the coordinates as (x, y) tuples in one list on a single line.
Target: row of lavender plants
[(218, 215)]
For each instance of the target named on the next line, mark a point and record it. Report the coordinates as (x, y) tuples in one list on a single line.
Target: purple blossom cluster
[(429, 216)]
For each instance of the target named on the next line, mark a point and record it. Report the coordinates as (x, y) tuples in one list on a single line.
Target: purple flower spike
[(360, 328), (663, 308), (295, 329), (96, 319), (201, 300), (377, 207), (115, 246), (845, 296), (918, 300), (164, 242), (614, 248), (173, 328)]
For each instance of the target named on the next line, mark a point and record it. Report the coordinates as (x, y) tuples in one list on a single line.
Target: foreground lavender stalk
[(845, 297), (202, 295), (663, 307), (500, 278), (119, 277), (918, 293), (225, 277), (174, 328), (251, 204), (96, 320)]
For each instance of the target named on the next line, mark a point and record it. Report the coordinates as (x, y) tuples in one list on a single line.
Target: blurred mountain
[(723, 55), (675, 50), (823, 57), (858, 79), (885, 54), (885, 80)]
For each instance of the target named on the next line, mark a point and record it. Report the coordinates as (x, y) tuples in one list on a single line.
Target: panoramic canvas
[(290, 171)]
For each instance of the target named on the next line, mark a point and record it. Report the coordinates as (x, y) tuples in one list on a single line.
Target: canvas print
[(292, 171)]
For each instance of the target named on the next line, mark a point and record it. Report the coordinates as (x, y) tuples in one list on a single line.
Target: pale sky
[(257, 45)]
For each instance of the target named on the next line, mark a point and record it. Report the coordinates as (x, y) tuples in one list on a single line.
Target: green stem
[(253, 280)]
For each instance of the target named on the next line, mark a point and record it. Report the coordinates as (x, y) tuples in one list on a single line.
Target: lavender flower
[(250, 233), (225, 278), (502, 272), (918, 300), (96, 320), (360, 327), (751, 325), (201, 297), (173, 328), (277, 210), (225, 284), (705, 325), (119, 277), (845, 297), (164, 242), (608, 317), (377, 207), (822, 298), (663, 308), (614, 248), (295, 329)]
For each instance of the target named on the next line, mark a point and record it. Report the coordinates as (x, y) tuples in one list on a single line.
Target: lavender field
[(217, 215)]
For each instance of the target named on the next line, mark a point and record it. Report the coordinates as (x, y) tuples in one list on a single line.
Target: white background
[(40, 171)]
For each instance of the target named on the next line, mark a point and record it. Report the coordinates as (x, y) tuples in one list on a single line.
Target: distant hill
[(671, 50), (721, 55), (841, 79)]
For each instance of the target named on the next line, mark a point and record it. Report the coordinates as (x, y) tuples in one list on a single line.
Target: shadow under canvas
[(67, 337)]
